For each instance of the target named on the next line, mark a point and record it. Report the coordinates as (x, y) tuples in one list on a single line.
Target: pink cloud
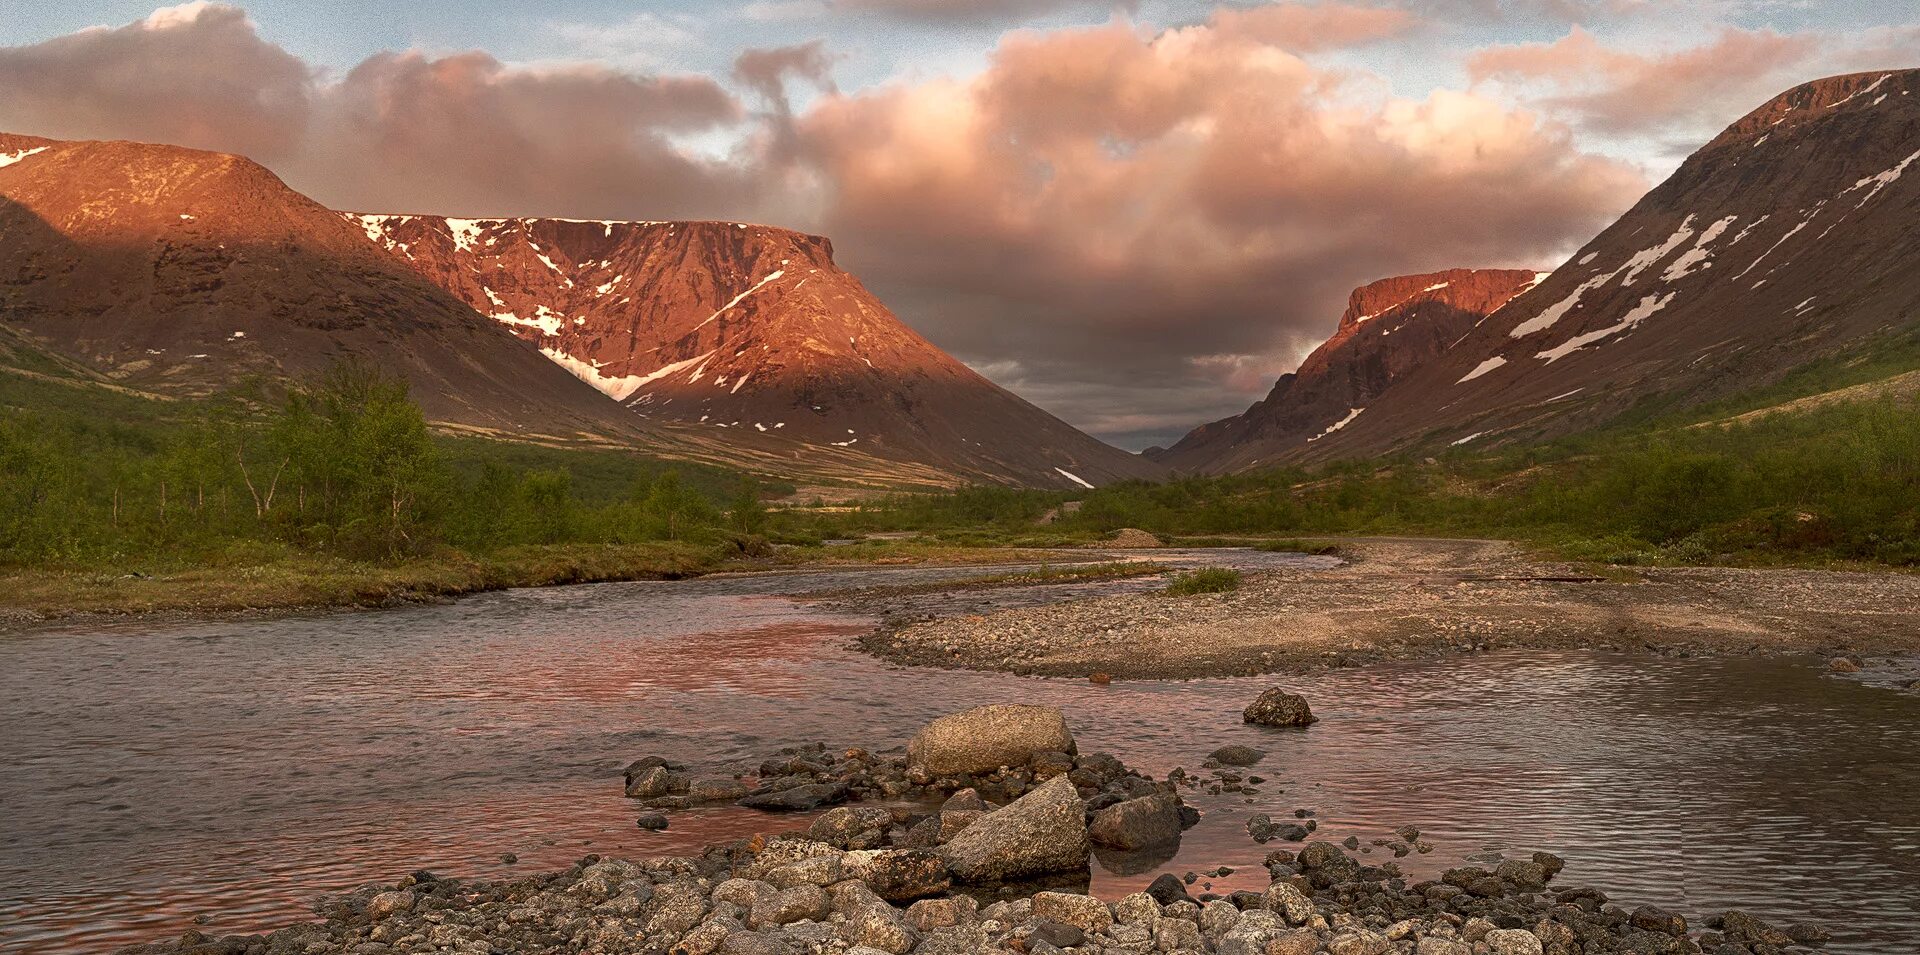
[(1615, 90)]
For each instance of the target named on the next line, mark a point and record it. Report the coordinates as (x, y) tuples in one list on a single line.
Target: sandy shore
[(1405, 598)]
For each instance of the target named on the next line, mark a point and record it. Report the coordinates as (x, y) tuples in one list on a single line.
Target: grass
[(271, 578), (1207, 580)]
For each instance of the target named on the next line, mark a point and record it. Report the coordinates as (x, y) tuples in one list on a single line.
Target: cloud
[(1118, 206), (400, 131), (975, 11), (1617, 91), (195, 74), (765, 71)]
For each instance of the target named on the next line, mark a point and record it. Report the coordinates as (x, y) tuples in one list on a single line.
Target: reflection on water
[(159, 772)]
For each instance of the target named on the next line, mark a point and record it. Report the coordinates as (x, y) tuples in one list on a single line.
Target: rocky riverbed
[(975, 877), (1413, 598)]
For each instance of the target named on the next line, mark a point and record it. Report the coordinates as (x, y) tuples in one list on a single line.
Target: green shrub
[(1207, 580)]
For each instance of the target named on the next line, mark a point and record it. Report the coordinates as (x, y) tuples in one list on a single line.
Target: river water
[(220, 775)]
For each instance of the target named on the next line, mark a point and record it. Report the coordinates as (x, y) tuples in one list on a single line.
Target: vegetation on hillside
[(343, 468), (1839, 482)]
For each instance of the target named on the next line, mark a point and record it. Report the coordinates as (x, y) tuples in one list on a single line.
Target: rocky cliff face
[(1792, 236), (1390, 328), (751, 333), (180, 271)]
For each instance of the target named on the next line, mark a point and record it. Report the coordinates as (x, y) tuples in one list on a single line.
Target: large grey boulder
[(1042, 832), (985, 738)]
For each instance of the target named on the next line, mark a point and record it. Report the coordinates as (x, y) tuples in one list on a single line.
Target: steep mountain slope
[(1390, 328), (179, 271), (1793, 236), (748, 332)]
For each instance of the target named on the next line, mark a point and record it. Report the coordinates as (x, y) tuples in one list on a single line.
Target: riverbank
[(1409, 598), (270, 581)]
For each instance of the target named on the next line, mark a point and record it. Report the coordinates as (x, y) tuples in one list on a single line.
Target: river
[(220, 775)]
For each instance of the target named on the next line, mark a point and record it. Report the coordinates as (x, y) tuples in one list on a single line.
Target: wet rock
[(985, 738), (1843, 665), (654, 781), (1237, 756), (1277, 707), (1168, 889), (1043, 832), (1138, 823), (652, 821), (716, 789), (1655, 919), (797, 798)]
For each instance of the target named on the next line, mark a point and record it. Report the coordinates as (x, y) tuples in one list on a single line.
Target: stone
[(1513, 941), (1287, 901), (1058, 934), (1237, 756), (1084, 912), (652, 821), (1176, 935), (1843, 665), (897, 875), (1167, 889), (852, 827), (985, 738), (1651, 918), (1136, 909), (1043, 832), (1358, 942), (787, 906), (651, 781), (388, 904), (716, 789), (964, 800), (798, 798), (1277, 707), (1138, 823)]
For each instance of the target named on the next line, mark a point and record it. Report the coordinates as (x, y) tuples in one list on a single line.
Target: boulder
[(1277, 707), (985, 738), (1138, 823), (1043, 832)]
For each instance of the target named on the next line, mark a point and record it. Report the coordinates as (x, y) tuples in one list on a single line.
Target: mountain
[(179, 271), (1390, 328), (750, 333), (1793, 236)]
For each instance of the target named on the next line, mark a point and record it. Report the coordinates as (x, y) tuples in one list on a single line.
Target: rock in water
[(1277, 707), (1042, 832), (985, 738), (1138, 823), (1237, 755)]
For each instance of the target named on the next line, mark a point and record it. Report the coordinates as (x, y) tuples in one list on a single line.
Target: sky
[(1134, 214)]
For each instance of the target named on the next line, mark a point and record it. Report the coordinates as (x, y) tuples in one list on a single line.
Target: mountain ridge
[(749, 330)]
